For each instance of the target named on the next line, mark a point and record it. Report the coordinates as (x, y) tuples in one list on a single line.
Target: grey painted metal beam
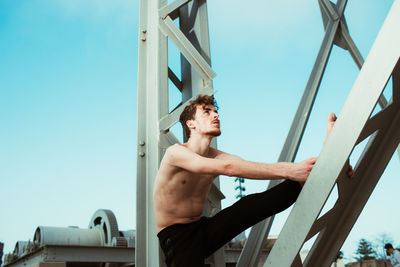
[(154, 119), (375, 122), (152, 104), (299, 123), (193, 22), (352, 48), (259, 232), (168, 120), (186, 48), (320, 224), (331, 163), (174, 79), (166, 10), (359, 60), (356, 55), (396, 83), (353, 197), (329, 9), (396, 90), (300, 120), (141, 222)]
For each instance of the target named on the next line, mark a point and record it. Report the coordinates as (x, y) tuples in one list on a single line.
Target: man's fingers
[(313, 160), (332, 117), (350, 172)]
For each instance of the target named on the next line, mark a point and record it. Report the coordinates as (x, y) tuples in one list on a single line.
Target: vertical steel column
[(193, 20), (154, 119), (152, 85), (353, 125)]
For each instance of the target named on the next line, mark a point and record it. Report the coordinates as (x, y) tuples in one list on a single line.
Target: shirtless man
[(185, 176)]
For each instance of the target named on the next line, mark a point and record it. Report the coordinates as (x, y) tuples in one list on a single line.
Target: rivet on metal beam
[(143, 35), (142, 154), (142, 143)]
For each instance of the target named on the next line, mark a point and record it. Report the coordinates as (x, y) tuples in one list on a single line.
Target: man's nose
[(216, 115)]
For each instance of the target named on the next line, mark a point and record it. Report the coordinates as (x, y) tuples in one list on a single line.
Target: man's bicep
[(188, 160), (226, 156)]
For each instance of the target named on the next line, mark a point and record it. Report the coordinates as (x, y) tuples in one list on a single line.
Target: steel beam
[(174, 79), (356, 55), (168, 120), (331, 164), (174, 6), (396, 83), (353, 196), (329, 10), (154, 119), (193, 22), (187, 49), (152, 104), (359, 60), (259, 232)]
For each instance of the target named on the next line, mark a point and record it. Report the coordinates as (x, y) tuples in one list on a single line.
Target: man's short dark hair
[(388, 245), (190, 110)]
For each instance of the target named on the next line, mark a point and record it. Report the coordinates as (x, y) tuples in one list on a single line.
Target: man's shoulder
[(216, 152), (219, 154), (176, 148), (172, 154), (177, 152)]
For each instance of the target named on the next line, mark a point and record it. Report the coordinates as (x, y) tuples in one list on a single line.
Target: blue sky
[(68, 75)]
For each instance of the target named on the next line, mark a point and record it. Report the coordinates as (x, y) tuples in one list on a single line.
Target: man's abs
[(179, 216), (179, 203)]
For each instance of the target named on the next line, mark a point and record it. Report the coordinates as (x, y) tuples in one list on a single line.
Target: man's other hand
[(300, 171)]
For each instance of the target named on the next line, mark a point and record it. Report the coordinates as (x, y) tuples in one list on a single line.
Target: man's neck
[(199, 144)]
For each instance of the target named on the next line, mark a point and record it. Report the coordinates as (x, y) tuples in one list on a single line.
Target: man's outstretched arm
[(184, 158), (331, 122)]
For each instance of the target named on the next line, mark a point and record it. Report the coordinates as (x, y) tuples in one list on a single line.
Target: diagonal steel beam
[(356, 55), (259, 232), (359, 60), (168, 120), (329, 9), (174, 79), (331, 163), (353, 197), (396, 90), (168, 9), (187, 49), (396, 83)]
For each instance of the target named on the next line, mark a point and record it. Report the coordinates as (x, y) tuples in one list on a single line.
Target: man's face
[(389, 251), (206, 120)]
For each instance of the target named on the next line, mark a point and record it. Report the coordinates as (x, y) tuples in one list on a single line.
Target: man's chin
[(215, 133)]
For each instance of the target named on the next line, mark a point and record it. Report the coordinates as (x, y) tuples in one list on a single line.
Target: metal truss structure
[(336, 33), (159, 21), (185, 23), (381, 131)]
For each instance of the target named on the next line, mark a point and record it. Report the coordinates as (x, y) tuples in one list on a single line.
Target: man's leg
[(183, 244), (248, 211)]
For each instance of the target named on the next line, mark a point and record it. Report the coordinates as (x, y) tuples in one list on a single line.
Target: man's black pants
[(187, 245)]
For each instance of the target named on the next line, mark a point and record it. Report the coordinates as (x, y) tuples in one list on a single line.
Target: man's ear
[(190, 124)]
